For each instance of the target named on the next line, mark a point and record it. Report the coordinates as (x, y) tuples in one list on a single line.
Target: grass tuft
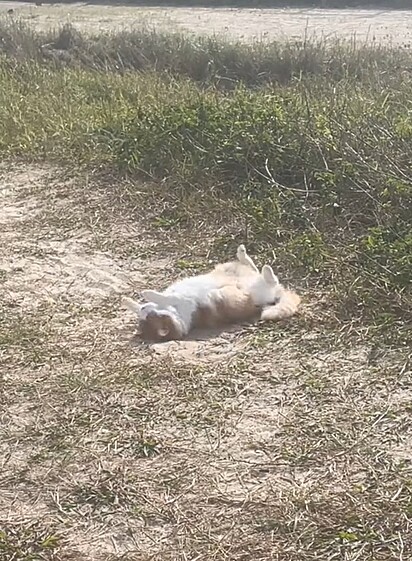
[(209, 61)]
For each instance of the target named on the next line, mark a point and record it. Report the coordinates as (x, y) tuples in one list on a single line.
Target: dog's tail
[(286, 307), (131, 305)]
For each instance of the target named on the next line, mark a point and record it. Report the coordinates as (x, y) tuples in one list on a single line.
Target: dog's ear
[(269, 276)]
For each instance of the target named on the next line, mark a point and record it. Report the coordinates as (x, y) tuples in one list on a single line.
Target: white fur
[(182, 299)]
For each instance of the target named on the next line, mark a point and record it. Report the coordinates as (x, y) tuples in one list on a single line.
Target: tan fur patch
[(233, 272), (285, 308), (159, 328), (231, 305)]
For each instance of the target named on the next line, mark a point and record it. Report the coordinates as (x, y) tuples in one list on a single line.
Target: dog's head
[(159, 324)]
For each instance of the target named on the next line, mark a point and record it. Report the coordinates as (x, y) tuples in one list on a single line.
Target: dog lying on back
[(232, 293)]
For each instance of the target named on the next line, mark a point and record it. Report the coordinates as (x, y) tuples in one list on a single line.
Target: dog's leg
[(244, 258), (154, 296)]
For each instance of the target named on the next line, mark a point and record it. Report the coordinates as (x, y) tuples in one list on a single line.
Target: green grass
[(316, 163)]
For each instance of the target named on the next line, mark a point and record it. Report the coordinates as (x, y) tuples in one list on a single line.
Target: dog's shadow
[(195, 336)]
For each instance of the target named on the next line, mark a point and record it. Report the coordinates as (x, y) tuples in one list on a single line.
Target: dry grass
[(376, 24), (289, 442), (284, 443)]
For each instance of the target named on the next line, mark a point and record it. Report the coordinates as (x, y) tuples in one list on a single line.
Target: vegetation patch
[(311, 154), (287, 441)]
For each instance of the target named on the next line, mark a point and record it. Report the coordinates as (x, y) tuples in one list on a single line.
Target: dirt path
[(383, 26), (263, 444)]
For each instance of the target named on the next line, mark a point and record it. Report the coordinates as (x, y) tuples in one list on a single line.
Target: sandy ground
[(249, 444), (365, 25)]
